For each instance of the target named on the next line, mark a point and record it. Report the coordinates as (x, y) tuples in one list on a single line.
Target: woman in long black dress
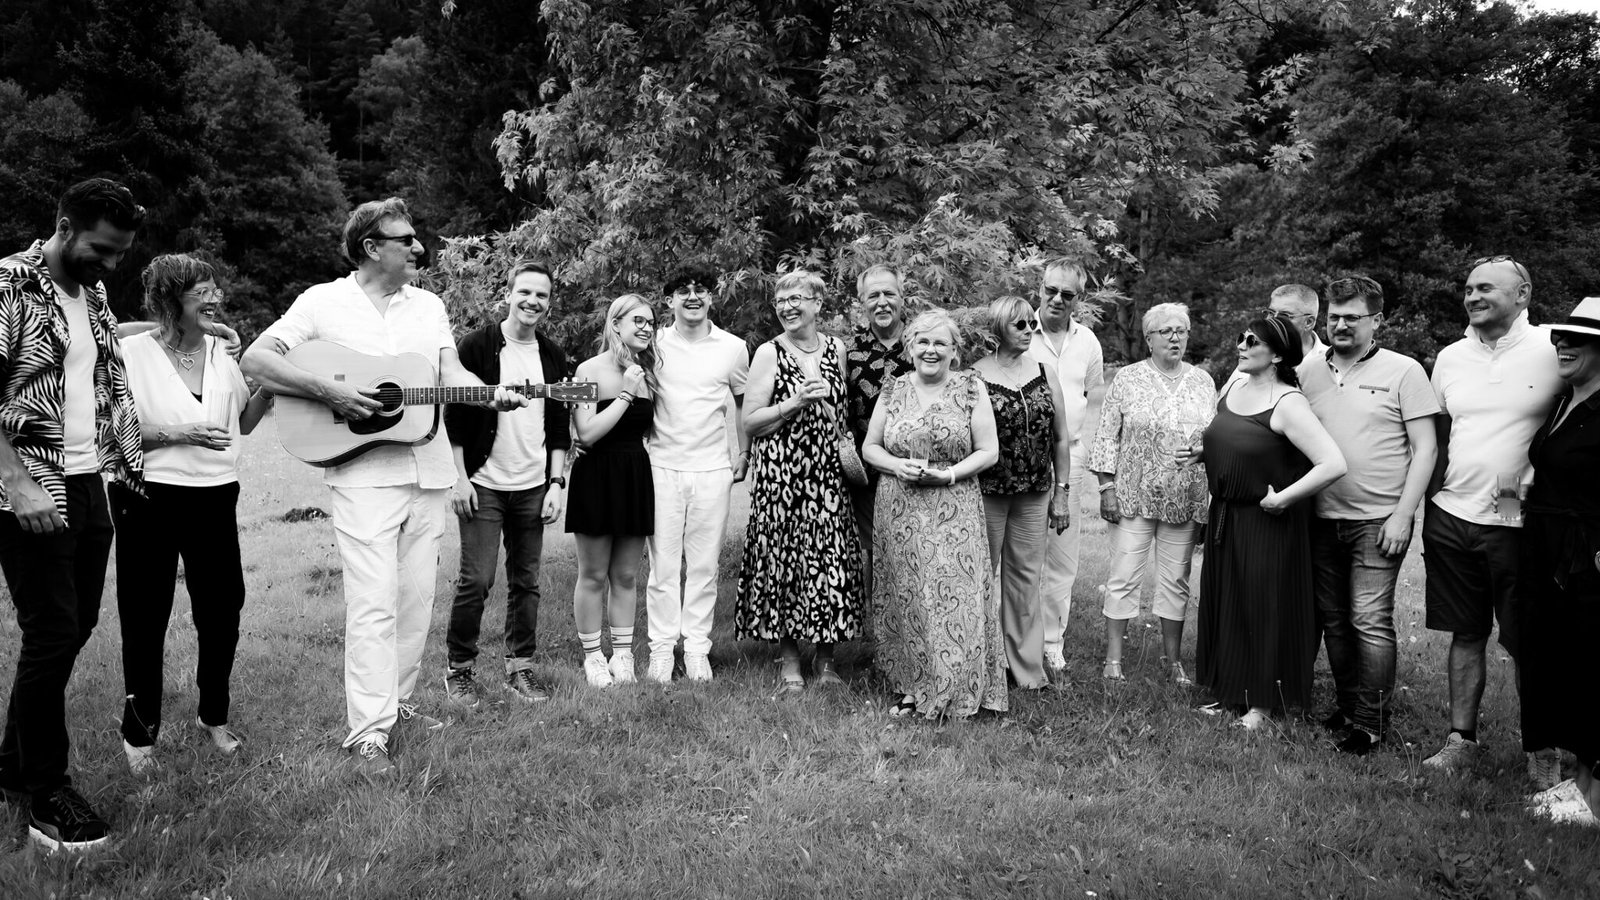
[(1266, 455), (611, 505), (1558, 577)]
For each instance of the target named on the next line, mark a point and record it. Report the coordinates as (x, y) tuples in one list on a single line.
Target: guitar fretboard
[(433, 396)]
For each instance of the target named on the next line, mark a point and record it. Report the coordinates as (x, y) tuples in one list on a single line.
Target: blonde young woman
[(801, 575), (1153, 409), (611, 505)]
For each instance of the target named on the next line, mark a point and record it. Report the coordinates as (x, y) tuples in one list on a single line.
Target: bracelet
[(745, 454), (558, 480), (626, 397), (781, 414), (1106, 486), (1063, 486), (952, 471)]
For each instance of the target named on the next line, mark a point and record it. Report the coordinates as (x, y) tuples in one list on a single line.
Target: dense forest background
[(1201, 151)]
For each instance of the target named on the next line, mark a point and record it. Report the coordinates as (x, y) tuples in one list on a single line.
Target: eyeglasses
[(208, 293), (1342, 319), (1249, 339), (406, 239), (792, 300), (1522, 271), (638, 322), (1051, 292), (1023, 324), (1572, 339), (693, 287), (1169, 331)]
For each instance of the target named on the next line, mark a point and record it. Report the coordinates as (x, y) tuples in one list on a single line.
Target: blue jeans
[(1354, 586), (517, 517)]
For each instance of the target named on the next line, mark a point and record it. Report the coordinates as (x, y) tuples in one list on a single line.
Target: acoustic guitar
[(406, 385)]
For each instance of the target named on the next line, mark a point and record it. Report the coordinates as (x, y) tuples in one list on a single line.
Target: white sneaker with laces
[(1544, 768), (1563, 792), (696, 666), (596, 670), (141, 760), (660, 670), (223, 737), (622, 667), (1456, 754)]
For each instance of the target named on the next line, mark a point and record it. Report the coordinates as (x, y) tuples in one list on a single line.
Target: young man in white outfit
[(702, 366), (1071, 349), (390, 503)]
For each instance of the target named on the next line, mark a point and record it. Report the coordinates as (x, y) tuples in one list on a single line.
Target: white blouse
[(163, 398)]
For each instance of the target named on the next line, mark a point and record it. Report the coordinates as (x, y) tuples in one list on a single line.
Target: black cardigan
[(472, 428)]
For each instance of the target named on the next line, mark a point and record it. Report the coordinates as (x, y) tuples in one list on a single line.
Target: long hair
[(624, 355), (1283, 339)]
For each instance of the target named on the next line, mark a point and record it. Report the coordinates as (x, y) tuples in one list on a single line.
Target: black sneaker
[(526, 688), (1358, 743), (63, 820), (1337, 721)]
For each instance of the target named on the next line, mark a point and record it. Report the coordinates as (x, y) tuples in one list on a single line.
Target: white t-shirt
[(691, 407), (516, 462), (77, 405), (1080, 366), (163, 399), (1496, 399), (415, 322)]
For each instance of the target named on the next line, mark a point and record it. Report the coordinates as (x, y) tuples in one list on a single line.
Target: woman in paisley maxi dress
[(934, 611), (800, 578)]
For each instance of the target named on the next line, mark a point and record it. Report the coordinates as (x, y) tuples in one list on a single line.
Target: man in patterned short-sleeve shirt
[(875, 356)]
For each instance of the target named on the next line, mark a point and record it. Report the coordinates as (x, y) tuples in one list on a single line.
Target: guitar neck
[(434, 396)]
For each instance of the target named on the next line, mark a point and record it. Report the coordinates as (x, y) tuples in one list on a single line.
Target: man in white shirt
[(1071, 349), (389, 504), (509, 485), (702, 366), (1495, 387), (1299, 304), (1379, 408)]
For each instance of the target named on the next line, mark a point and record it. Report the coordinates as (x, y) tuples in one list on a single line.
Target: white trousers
[(691, 520), (1061, 557), (388, 540), (1131, 547)]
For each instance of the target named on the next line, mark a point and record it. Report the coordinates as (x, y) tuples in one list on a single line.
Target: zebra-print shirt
[(33, 351)]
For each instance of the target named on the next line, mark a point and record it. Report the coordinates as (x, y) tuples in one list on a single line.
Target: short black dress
[(612, 491)]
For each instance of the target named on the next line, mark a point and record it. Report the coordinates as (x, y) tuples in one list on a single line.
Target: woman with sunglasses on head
[(800, 578), (1266, 457), (1027, 490), (611, 501), (1558, 575), (193, 404), (1152, 417)]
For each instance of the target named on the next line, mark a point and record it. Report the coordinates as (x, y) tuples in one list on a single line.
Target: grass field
[(719, 791)]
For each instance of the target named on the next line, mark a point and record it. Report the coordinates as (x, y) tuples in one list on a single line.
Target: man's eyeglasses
[(1169, 331), (693, 287), (1050, 292), (1249, 339), (406, 239), (792, 300), (1522, 271), (1342, 319)]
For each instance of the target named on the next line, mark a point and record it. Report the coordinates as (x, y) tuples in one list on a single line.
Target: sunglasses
[(1573, 339), (1249, 340), (406, 239), (1063, 293), (1522, 271), (1023, 324)]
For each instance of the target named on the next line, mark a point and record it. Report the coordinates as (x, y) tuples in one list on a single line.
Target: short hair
[(686, 275), (1002, 312), (927, 321), (879, 269), (801, 278), (1283, 339), (1300, 295), (364, 221), (525, 266), (1069, 263), (1356, 287), (92, 200), (1162, 312), (165, 280)]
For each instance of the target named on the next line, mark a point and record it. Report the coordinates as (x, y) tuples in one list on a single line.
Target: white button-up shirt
[(1080, 366)]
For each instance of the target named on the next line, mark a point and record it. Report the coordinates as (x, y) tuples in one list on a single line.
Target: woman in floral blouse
[(1026, 491), (1154, 412)]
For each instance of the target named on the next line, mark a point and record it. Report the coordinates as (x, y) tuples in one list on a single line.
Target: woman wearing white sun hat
[(1559, 574)]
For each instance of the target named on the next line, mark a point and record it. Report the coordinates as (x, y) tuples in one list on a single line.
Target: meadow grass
[(721, 791)]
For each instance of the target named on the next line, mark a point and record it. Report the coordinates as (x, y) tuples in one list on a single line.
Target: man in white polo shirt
[(1071, 349), (701, 367), (1379, 408), (388, 504), (1495, 387), (1299, 304)]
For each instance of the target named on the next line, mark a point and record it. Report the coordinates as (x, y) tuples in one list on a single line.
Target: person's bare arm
[(33, 506), (1395, 536), (1294, 419), (266, 362)]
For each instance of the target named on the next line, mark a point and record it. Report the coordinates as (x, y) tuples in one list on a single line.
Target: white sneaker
[(1572, 812), (622, 667), (696, 666), (141, 760), (1563, 792), (1055, 660), (1456, 754), (222, 736), (1544, 768), (596, 670), (1254, 720), (660, 669)]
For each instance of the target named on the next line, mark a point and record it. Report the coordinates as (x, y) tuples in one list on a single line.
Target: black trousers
[(55, 582), (198, 525)]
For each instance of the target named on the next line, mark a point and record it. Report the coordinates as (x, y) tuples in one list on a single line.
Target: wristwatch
[(559, 480), (1064, 485)]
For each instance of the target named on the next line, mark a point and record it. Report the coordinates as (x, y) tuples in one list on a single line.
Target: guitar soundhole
[(387, 416)]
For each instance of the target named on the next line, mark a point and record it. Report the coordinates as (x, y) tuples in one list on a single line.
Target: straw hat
[(1584, 318)]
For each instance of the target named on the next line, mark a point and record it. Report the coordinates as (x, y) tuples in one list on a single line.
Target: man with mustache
[(702, 366), (1072, 350), (67, 415), (510, 483), (875, 355), (1378, 407), (1495, 387)]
